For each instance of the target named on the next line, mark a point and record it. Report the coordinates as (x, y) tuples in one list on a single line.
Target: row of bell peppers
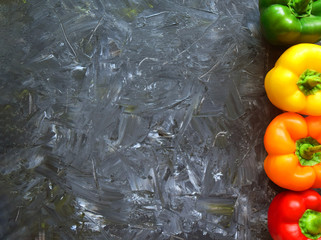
[(292, 142), (292, 139)]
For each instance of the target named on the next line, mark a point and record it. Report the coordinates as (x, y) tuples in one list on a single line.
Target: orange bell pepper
[(293, 146)]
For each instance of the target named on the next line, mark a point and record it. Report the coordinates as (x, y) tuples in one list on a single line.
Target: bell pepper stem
[(315, 226), (313, 81), (310, 224), (309, 82), (307, 151), (300, 7)]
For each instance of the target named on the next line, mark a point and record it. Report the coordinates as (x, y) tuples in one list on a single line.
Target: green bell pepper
[(289, 22)]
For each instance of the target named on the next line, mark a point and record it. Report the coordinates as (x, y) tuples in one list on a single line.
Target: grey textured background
[(133, 119)]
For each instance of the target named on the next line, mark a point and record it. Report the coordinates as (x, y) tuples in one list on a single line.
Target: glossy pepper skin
[(294, 83), (289, 22), (285, 140), (287, 219)]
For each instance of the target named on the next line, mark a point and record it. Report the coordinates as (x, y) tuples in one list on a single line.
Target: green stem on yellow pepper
[(313, 81), (309, 82)]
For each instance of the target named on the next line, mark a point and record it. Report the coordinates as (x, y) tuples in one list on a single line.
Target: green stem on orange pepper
[(307, 151)]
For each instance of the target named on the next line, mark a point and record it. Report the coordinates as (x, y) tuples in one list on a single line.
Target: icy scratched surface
[(133, 119)]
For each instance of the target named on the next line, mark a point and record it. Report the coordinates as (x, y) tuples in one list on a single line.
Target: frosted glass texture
[(133, 119)]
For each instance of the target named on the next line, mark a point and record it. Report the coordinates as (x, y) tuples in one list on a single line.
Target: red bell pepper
[(295, 216)]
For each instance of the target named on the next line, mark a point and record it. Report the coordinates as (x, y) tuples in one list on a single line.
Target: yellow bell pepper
[(294, 83)]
